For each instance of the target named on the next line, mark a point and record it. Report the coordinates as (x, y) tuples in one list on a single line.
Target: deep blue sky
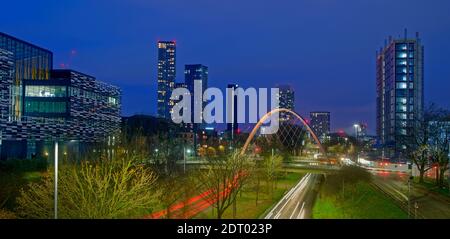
[(324, 48)]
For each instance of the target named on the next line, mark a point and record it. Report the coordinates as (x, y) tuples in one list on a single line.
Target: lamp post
[(56, 181), (184, 158), (356, 126)]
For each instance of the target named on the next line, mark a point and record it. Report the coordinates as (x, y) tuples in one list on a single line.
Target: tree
[(165, 152), (421, 158), (223, 179), (257, 175), (430, 142), (439, 144), (171, 192), (271, 165), (117, 188)]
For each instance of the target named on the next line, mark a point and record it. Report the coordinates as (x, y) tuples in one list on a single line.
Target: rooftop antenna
[(406, 33)]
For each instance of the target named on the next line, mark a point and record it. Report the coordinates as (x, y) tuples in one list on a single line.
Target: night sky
[(324, 48)]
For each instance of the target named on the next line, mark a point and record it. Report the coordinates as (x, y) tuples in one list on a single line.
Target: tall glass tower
[(192, 73), (400, 83), (287, 101), (320, 123), (166, 76)]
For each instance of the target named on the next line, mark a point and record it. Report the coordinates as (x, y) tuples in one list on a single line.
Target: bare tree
[(419, 150), (439, 130), (272, 164), (430, 142), (171, 192), (223, 179), (421, 158)]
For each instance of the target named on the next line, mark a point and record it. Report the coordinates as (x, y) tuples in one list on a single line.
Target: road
[(299, 201), (429, 204)]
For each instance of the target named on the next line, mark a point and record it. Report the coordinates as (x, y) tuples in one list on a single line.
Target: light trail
[(296, 193), (197, 203)]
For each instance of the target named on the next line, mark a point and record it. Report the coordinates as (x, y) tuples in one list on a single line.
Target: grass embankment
[(349, 195), (246, 206), (430, 184)]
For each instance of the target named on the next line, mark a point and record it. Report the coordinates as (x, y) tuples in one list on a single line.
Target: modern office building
[(232, 108), (166, 77), (193, 73), (400, 87), (29, 62), (320, 123), (287, 101), (40, 106)]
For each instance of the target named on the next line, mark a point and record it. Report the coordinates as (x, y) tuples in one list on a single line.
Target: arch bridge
[(268, 115)]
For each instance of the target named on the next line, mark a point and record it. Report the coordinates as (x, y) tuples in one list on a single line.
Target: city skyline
[(132, 41), (260, 110)]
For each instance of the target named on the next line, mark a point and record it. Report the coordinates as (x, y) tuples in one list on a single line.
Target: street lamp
[(184, 158), (56, 181), (356, 139)]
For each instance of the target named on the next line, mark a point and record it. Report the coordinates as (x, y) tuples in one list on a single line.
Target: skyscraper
[(400, 99), (175, 102), (232, 127), (192, 73), (320, 123), (287, 101), (166, 76)]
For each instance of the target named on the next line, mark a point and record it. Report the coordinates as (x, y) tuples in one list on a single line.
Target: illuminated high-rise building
[(233, 126), (286, 100), (320, 123), (400, 100), (192, 73), (166, 77)]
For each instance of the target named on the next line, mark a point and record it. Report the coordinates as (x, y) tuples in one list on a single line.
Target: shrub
[(98, 189)]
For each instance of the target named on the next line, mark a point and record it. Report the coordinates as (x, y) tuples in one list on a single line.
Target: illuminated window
[(113, 101), (45, 91), (401, 55), (401, 85)]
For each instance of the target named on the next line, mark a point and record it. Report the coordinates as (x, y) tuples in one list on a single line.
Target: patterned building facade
[(62, 105)]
